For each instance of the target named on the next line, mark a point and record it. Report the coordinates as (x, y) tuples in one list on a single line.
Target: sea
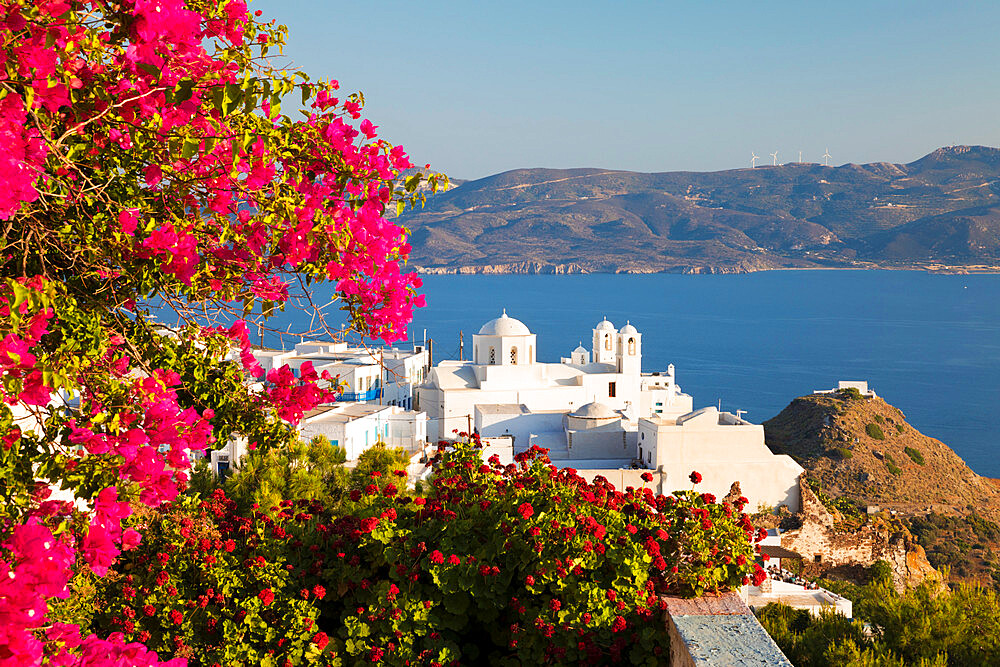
[(927, 343)]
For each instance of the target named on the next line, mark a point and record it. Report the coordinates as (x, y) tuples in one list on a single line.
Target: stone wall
[(822, 547)]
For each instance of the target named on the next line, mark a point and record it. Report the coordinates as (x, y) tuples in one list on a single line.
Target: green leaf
[(232, 98), (190, 148), (183, 91)]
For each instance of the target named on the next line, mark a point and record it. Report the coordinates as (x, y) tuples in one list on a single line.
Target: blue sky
[(478, 88)]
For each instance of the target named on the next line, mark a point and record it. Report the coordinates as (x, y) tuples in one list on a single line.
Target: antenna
[(753, 160), (775, 156), (826, 158), (800, 157)]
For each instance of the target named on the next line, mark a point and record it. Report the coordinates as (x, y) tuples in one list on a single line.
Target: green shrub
[(891, 465), (851, 394), (496, 565), (874, 431), (880, 570), (843, 452), (880, 419), (914, 454), (900, 428)]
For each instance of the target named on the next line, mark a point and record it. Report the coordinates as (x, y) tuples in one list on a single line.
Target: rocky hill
[(861, 452), (863, 449), (941, 209)]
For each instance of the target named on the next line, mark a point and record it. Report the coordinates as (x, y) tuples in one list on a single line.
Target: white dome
[(604, 325), (629, 329), (580, 349), (594, 410), (504, 326)]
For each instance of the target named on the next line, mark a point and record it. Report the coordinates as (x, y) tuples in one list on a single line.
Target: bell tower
[(629, 351), (604, 343)]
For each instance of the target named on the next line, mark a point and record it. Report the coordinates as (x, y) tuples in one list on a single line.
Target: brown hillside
[(835, 438)]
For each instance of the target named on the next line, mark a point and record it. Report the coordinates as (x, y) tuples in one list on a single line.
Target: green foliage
[(924, 626), (915, 455), (890, 463), (380, 459), (900, 428), (874, 431), (880, 571), (850, 394), (311, 471), (202, 482), (849, 508), (879, 419), (498, 565), (843, 452), (211, 585), (950, 540)]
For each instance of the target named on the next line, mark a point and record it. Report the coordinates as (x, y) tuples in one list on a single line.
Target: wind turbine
[(826, 158), (775, 156), (800, 157), (753, 160)]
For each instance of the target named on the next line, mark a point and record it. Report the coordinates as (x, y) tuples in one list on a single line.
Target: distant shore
[(533, 268)]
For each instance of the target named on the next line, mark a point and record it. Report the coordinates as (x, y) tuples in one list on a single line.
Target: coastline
[(571, 269)]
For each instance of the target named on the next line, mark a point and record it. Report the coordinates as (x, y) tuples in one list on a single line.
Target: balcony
[(361, 396)]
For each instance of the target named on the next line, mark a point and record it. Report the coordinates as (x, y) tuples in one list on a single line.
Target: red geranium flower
[(695, 477), (525, 510), (266, 596)]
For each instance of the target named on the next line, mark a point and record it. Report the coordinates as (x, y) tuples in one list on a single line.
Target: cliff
[(861, 454), (864, 449)]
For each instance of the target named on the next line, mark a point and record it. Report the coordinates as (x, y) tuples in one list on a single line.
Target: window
[(493, 355), (531, 354), (607, 341), (818, 558), (642, 436), (649, 457), (513, 355), (611, 390), (631, 346), (659, 405)]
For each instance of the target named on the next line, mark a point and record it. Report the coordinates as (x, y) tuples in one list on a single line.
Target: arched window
[(631, 346), (493, 355), (513, 355), (475, 355), (607, 341)]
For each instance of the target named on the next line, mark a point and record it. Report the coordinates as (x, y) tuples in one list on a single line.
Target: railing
[(360, 396)]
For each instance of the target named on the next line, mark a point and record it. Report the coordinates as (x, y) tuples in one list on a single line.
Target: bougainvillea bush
[(519, 564), (145, 159)]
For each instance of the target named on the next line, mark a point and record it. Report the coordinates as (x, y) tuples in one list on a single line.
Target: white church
[(596, 411)]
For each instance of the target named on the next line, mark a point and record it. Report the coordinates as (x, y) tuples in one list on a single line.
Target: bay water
[(928, 344)]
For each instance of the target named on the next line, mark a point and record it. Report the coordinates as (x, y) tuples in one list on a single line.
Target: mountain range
[(941, 212)]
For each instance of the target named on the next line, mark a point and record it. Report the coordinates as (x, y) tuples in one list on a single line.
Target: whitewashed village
[(595, 411)]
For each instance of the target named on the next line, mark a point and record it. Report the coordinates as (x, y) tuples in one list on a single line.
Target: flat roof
[(344, 412)]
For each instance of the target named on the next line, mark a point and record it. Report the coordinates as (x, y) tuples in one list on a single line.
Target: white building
[(723, 448), (358, 426), (381, 375), (504, 371), (860, 385), (597, 412)]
